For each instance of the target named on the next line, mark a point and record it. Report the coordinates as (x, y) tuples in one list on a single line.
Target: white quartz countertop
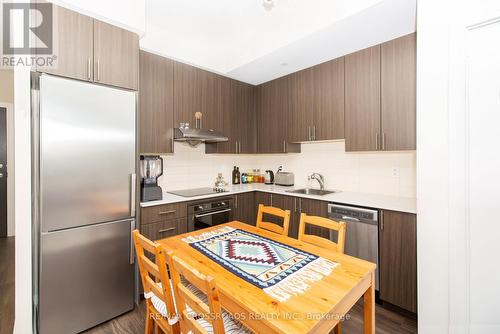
[(401, 204)]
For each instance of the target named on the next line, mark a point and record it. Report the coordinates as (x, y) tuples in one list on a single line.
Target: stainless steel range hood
[(191, 135)]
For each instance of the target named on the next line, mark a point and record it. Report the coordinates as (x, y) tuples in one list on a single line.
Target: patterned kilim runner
[(280, 270)]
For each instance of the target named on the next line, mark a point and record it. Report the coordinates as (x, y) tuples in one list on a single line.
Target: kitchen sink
[(307, 191)]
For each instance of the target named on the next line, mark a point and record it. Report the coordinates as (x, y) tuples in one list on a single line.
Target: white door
[(483, 145)]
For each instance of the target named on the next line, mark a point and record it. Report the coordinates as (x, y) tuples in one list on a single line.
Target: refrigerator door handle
[(132, 246), (132, 194)]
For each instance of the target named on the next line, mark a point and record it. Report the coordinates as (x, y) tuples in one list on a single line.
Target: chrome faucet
[(318, 177)]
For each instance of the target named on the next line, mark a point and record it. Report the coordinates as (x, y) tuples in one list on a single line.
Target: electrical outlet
[(395, 171)]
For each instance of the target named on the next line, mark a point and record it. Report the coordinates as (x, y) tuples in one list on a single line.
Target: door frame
[(10, 167)]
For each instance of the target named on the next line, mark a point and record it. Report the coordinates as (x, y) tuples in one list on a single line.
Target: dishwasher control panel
[(343, 212)]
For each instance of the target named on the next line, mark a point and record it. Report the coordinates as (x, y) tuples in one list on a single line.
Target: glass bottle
[(238, 176), (234, 178)]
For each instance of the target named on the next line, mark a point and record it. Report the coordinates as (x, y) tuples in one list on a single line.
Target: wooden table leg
[(369, 307)]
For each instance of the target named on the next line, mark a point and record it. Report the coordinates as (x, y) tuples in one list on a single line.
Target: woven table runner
[(280, 270)]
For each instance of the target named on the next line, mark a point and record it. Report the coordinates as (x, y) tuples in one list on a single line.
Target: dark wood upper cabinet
[(228, 119), (272, 113), (328, 102), (156, 104), (237, 118), (187, 98), (301, 113), (116, 56), (398, 90), (362, 100), (73, 45), (398, 259), (209, 85), (91, 50), (316, 110), (196, 90), (247, 117)]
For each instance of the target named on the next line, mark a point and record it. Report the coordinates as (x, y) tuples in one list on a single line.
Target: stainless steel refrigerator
[(83, 203)]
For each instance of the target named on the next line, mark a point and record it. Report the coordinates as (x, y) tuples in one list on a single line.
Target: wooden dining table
[(317, 310)]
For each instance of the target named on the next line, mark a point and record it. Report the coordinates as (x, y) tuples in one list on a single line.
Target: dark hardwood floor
[(387, 322), (7, 285)]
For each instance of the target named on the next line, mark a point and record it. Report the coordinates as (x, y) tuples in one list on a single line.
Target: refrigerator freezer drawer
[(86, 276)]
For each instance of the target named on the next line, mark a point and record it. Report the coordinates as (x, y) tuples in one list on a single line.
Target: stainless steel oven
[(210, 212)]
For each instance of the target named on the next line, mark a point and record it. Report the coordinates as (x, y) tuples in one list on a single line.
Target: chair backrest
[(209, 311), (155, 272), (340, 227), (271, 210)]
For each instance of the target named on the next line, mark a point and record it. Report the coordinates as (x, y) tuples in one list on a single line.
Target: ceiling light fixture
[(268, 4)]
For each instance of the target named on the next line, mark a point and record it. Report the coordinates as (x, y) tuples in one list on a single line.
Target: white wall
[(432, 166), (457, 166), (22, 180), (359, 172), (128, 14)]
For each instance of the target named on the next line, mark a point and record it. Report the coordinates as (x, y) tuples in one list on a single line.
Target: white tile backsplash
[(369, 172)]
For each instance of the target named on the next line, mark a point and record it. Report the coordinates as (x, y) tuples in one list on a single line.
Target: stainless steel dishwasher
[(361, 232)]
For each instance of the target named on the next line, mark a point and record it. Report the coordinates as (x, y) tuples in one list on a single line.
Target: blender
[(151, 169)]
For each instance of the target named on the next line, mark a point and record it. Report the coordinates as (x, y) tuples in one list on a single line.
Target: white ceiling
[(242, 40)]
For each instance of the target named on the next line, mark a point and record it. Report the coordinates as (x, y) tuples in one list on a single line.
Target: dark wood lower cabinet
[(285, 202), (164, 229), (313, 207), (398, 259), (245, 208), (163, 221), (262, 198)]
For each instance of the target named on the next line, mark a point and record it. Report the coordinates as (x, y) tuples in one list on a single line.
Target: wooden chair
[(160, 307), (340, 227), (270, 210), (319, 241), (197, 300)]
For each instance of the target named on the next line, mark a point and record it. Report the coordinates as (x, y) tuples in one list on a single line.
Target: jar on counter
[(260, 177), (250, 177)]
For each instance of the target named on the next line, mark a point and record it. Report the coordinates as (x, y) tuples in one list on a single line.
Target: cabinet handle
[(166, 212), (98, 70), (89, 69), (284, 146), (309, 133), (271, 199), (376, 141), (295, 204), (383, 141), (132, 194), (314, 132), (166, 229), (300, 205), (239, 146), (236, 147), (172, 140), (132, 247), (381, 220), (236, 202)]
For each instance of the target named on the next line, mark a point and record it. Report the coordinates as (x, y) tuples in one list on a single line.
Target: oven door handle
[(212, 213)]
